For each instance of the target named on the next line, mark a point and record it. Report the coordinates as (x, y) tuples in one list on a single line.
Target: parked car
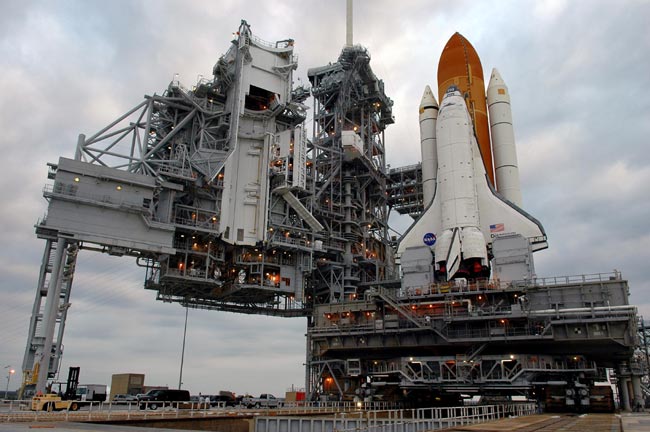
[(266, 400), (124, 399), (222, 400), (155, 398)]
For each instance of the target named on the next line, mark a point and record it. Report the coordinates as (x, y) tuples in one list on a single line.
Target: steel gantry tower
[(351, 112)]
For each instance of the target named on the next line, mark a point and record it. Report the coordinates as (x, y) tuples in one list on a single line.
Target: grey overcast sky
[(578, 73)]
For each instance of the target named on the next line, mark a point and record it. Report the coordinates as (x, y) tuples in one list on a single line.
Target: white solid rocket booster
[(503, 140), (428, 118)]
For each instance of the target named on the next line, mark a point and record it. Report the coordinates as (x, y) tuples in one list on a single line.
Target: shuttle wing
[(500, 217), (425, 229)]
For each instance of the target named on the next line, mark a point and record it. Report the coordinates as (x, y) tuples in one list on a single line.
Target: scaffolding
[(351, 112)]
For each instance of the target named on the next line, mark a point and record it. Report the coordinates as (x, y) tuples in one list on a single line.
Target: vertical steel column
[(349, 287), (646, 345), (637, 401), (81, 140), (625, 394), (28, 359), (67, 275), (49, 315), (308, 350)]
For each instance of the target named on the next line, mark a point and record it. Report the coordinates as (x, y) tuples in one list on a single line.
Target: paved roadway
[(636, 422), (629, 422)]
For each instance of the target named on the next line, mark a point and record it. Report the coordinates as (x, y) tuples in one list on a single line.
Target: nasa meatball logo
[(429, 239)]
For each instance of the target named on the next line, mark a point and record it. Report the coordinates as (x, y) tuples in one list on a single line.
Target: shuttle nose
[(452, 88)]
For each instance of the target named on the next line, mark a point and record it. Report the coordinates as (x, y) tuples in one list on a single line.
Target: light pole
[(9, 374), (180, 377)]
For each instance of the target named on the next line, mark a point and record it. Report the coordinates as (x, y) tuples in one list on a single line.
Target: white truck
[(266, 400), (91, 393)]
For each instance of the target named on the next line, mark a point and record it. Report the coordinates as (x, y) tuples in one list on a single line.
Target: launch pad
[(476, 339), (219, 195)]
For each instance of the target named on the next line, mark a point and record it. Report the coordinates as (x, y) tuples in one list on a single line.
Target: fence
[(415, 420), (20, 410)]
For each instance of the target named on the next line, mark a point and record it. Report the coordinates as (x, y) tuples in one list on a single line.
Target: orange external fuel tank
[(460, 66)]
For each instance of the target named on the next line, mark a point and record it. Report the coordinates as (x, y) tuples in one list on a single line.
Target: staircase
[(299, 208), (386, 296)]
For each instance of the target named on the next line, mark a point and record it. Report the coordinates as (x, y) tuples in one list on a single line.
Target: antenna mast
[(348, 24)]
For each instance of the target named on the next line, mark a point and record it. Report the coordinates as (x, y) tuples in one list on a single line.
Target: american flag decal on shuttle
[(497, 228)]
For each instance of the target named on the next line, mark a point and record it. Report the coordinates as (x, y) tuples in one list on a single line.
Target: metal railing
[(403, 169), (577, 279), (462, 286), (20, 410), (413, 420)]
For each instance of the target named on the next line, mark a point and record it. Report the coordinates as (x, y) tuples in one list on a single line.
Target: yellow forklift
[(52, 401)]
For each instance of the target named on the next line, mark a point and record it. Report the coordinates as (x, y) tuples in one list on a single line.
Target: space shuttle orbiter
[(463, 211)]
